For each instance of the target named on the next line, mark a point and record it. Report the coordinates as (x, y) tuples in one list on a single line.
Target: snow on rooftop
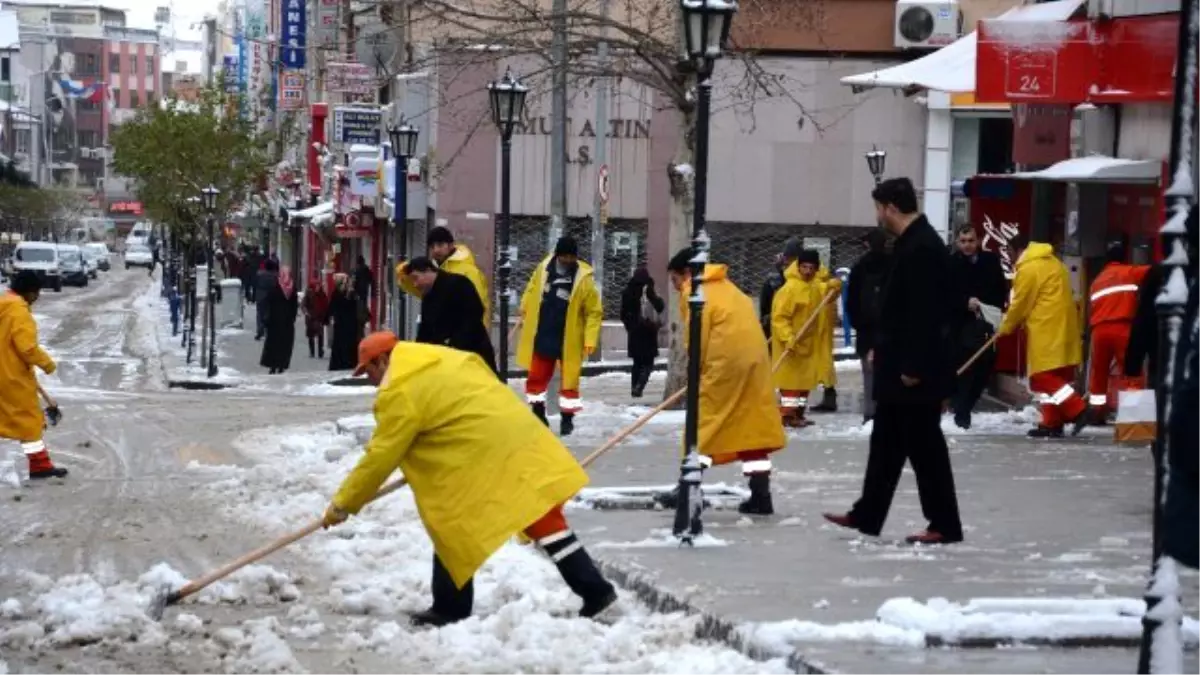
[(1098, 168)]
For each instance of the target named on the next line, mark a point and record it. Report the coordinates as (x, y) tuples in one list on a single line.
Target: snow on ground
[(154, 340), (379, 567), (905, 622)]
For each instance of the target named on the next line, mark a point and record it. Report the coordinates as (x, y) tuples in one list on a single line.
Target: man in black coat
[(913, 375), (864, 294), (978, 279), (451, 311)]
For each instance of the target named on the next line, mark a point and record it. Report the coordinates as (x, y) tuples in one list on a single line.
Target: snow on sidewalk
[(379, 567)]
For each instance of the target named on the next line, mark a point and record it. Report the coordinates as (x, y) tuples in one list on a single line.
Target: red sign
[(1122, 60), (131, 208), (1001, 208), (1041, 133)]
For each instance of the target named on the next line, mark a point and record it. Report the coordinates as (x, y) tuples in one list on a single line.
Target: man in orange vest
[(1114, 296)]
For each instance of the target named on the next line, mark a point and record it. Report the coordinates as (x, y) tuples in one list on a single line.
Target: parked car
[(138, 255), (42, 258), (97, 254), (72, 266)]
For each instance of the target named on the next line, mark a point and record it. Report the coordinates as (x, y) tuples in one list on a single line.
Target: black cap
[(25, 281), (439, 235), (808, 255), (566, 246), (793, 247)]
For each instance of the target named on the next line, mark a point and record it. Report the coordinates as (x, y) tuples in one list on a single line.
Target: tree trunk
[(682, 173)]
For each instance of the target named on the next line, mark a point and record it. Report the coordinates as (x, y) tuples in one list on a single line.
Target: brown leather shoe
[(841, 519), (930, 537)]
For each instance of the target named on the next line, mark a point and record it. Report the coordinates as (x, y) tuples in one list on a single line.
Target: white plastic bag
[(1136, 416)]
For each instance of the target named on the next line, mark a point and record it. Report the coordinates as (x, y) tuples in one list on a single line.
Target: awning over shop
[(951, 69), (1098, 169), (321, 214)]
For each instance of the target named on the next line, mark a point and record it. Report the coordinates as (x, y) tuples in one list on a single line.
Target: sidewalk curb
[(712, 628)]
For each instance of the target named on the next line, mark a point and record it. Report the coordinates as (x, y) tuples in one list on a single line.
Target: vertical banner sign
[(239, 32), (327, 24), (229, 73), (256, 33), (294, 26)]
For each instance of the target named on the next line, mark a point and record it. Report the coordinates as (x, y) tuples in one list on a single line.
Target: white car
[(40, 257), (97, 255), (138, 255)]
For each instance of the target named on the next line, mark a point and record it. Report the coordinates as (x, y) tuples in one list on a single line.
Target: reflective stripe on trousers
[(1097, 399), (33, 447), (1060, 397), (756, 466)]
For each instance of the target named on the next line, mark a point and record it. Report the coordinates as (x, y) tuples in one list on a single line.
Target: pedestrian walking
[(316, 316), (478, 478), (281, 305), (250, 267), (1042, 302), (155, 258), (455, 258), (793, 307), (864, 304), (978, 282), (738, 421), (451, 313), (1113, 299), (562, 316), (343, 315), (21, 416), (641, 313), (265, 281), (912, 376)]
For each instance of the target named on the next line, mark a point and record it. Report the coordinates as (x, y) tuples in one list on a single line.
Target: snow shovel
[(166, 597)]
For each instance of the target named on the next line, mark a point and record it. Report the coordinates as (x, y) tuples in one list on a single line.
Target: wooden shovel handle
[(512, 333), (258, 554), (629, 430), (975, 357)]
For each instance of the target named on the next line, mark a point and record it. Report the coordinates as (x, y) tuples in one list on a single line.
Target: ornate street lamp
[(507, 97), (705, 27), (404, 145), (875, 162), (209, 200)]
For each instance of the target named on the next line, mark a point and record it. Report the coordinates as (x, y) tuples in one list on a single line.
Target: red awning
[(1120, 60)]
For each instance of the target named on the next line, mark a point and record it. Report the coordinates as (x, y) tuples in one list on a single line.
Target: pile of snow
[(378, 564), (905, 622), (78, 609)]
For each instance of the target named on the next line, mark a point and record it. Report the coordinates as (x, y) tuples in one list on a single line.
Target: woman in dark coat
[(641, 312), (316, 316), (281, 304), (347, 329)]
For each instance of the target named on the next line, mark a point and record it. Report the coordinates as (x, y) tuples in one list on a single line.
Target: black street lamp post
[(404, 145), (1162, 593), (508, 108), (705, 27), (875, 162), (209, 199)]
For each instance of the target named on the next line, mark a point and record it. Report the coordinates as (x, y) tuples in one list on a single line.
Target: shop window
[(995, 144)]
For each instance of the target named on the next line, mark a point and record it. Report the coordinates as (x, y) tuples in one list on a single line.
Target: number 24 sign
[(1031, 73)]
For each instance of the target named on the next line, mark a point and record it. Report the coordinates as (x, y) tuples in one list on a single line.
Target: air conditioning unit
[(927, 24)]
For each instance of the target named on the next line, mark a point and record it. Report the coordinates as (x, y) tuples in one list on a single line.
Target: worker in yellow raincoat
[(738, 417), (826, 371), (791, 309), (21, 416), (454, 258), (1042, 302), (562, 316), (480, 467)]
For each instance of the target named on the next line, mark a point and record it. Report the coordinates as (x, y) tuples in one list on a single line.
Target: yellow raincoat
[(462, 261), (1043, 303), (794, 303), (584, 317), (21, 417), (826, 372), (737, 402), (481, 467)]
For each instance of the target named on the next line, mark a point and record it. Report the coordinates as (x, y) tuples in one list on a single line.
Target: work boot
[(1043, 431), (759, 503), (566, 424), (1080, 421), (795, 419), (828, 403), (41, 467), (581, 574), (962, 420), (431, 617), (539, 410)]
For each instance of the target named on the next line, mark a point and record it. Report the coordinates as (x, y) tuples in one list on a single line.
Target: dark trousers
[(316, 344), (908, 432), (640, 374), (448, 599), (970, 385)]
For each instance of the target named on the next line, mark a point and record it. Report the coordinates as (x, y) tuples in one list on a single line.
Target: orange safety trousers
[(1109, 340), (541, 369), (1057, 396)]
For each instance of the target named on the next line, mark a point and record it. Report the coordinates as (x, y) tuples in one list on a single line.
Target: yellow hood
[(1036, 251), (714, 272), (461, 254)]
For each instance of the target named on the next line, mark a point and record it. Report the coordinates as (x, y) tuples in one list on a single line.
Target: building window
[(116, 97), (135, 99), (114, 63), (87, 139), (88, 64)]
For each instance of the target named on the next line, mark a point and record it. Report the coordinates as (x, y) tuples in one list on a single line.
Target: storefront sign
[(291, 90), (1001, 208), (294, 25), (356, 125), (229, 73), (327, 24), (130, 208), (1041, 133), (351, 79)]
